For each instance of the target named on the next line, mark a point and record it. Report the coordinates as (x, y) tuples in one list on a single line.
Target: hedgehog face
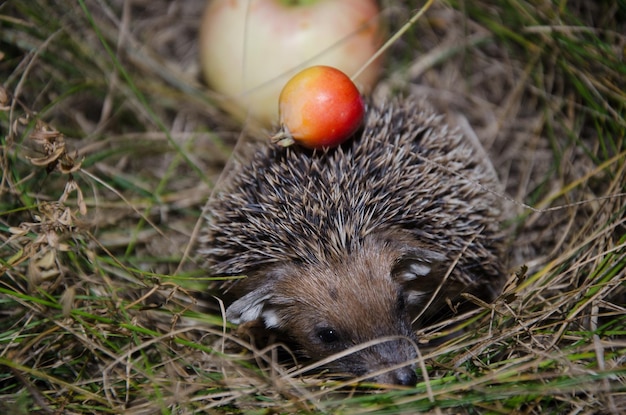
[(338, 306)]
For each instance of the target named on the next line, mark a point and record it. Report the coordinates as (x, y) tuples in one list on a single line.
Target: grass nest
[(111, 145)]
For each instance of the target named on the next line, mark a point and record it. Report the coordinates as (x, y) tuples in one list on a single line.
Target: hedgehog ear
[(262, 303), (250, 306), (416, 263), (418, 270)]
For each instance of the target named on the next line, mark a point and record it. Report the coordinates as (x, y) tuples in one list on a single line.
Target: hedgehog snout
[(388, 362), (404, 376)]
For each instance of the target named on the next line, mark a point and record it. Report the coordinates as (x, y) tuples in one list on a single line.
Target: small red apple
[(319, 107), (250, 48)]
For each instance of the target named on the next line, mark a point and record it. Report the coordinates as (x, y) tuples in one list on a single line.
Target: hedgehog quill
[(348, 245)]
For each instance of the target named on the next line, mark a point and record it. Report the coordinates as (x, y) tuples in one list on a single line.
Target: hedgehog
[(361, 243)]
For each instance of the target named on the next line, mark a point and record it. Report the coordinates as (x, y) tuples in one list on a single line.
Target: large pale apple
[(250, 48)]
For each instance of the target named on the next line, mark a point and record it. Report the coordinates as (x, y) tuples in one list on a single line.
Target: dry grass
[(111, 146)]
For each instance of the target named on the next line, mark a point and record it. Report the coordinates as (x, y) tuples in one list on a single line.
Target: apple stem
[(283, 137)]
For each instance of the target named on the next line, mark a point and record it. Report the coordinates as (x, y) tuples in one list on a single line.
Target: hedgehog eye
[(328, 335)]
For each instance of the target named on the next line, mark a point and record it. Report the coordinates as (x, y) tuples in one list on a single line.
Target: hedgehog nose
[(405, 376)]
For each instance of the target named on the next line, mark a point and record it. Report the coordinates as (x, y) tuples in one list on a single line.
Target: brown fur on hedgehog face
[(362, 297)]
